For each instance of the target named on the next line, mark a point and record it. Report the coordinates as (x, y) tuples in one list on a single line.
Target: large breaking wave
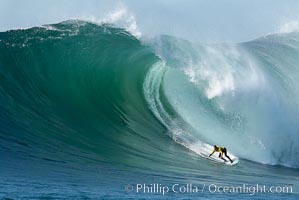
[(78, 85)]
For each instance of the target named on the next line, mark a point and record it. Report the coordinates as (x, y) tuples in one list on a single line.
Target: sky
[(195, 20)]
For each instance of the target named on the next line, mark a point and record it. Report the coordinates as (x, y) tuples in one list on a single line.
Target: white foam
[(123, 18), (218, 84), (291, 26), (214, 74)]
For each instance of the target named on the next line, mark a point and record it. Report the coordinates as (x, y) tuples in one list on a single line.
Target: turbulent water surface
[(87, 109)]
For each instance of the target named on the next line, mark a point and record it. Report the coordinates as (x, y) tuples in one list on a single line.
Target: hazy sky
[(199, 20)]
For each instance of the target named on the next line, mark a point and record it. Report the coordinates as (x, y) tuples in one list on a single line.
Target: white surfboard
[(215, 158)]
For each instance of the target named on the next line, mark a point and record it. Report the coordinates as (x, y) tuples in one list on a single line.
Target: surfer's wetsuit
[(221, 150)]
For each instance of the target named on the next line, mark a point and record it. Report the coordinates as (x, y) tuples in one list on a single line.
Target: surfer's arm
[(212, 153)]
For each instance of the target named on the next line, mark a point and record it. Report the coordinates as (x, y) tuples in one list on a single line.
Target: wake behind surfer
[(221, 150)]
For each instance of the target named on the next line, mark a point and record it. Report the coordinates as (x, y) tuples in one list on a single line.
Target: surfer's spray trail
[(98, 89)]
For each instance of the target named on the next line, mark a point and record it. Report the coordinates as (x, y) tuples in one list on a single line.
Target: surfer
[(221, 150)]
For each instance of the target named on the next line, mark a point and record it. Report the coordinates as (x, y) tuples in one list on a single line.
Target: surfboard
[(219, 160)]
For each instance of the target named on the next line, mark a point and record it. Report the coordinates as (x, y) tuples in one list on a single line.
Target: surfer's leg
[(223, 159), (220, 156), (225, 153)]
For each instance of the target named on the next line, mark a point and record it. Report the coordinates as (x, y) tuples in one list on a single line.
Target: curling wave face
[(77, 86)]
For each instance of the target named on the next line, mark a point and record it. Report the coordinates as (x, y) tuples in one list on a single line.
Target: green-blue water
[(86, 109)]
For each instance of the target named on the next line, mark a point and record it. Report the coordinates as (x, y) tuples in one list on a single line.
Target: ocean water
[(89, 111)]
